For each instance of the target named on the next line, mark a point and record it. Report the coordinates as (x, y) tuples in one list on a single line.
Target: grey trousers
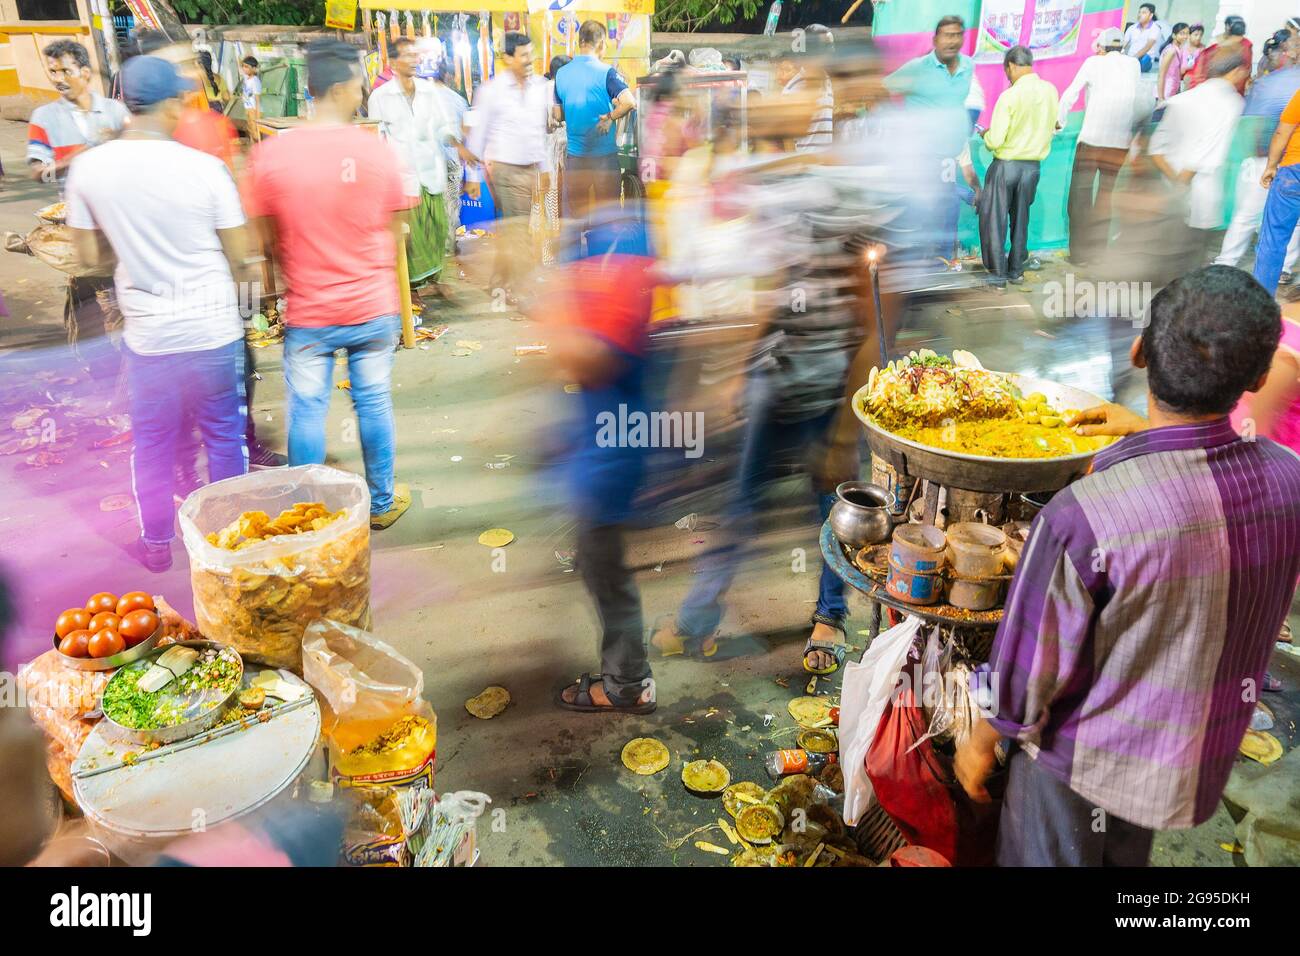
[(1045, 823), (623, 659), (1009, 188), (513, 188)]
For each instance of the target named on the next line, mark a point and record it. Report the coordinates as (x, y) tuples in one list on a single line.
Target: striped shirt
[(58, 130), (1145, 607)]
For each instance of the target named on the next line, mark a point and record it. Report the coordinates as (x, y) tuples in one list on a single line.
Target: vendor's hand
[(973, 764), (1267, 179), (1106, 419), (603, 124)]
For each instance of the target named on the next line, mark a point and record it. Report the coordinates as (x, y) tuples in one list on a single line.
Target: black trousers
[(1089, 213), (623, 659), (1009, 188), (1045, 823)]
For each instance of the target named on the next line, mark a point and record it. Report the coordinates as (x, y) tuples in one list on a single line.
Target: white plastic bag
[(866, 689), (260, 599)]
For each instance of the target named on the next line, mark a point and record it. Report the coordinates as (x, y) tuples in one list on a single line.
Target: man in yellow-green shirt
[(1019, 136)]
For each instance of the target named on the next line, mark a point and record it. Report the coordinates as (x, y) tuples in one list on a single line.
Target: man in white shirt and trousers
[(508, 138), (1191, 144), (412, 118), (1117, 101)]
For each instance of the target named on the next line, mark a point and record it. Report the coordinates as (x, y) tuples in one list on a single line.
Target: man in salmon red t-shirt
[(1282, 208), (329, 197)]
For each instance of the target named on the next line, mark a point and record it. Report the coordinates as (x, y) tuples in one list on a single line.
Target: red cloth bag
[(918, 789)]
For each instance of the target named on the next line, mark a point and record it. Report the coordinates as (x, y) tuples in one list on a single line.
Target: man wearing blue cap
[(168, 217)]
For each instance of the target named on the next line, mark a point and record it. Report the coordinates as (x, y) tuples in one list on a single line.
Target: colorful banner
[(341, 14), (1001, 22), (1055, 29)]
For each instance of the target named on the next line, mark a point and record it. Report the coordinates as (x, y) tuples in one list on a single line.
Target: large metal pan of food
[(967, 427)]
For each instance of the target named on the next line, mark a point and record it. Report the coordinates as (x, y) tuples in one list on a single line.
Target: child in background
[(252, 96)]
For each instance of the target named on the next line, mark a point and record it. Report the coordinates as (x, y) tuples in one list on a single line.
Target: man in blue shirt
[(590, 98), (939, 85)]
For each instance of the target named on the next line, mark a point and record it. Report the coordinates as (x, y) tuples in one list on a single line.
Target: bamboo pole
[(404, 291)]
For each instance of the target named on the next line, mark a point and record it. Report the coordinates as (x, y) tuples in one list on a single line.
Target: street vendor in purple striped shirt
[(1148, 599)]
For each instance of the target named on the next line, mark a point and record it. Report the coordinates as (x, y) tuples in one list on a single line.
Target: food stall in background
[(469, 36), (554, 28), (445, 31)]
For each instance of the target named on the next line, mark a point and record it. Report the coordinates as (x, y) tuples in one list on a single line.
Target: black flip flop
[(583, 704)]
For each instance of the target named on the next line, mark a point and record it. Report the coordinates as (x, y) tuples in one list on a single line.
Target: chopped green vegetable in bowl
[(205, 685)]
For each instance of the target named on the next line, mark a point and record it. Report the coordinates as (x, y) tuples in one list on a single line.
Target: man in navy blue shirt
[(590, 98)]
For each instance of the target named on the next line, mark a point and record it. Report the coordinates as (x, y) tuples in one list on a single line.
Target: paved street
[(527, 626)]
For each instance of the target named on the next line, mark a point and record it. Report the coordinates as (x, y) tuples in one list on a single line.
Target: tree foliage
[(685, 16), (286, 12), (674, 16)]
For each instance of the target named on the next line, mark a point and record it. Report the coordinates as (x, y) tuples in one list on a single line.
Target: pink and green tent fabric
[(905, 29)]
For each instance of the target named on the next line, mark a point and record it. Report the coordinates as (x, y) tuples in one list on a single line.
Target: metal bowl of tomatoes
[(108, 631)]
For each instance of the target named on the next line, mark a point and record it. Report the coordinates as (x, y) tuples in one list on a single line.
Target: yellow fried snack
[(739, 795), (810, 712), (645, 755), (254, 526), (488, 704), (759, 822), (705, 776), (261, 606)]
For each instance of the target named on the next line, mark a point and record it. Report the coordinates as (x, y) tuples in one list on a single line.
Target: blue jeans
[(1281, 213), (166, 393), (764, 440), (309, 380)]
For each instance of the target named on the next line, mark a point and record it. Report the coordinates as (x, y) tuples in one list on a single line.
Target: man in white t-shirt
[(170, 216)]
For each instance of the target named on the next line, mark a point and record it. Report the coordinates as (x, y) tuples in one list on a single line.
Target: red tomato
[(103, 601), (106, 643), (104, 619), (76, 644), (134, 601), (73, 619), (137, 626)]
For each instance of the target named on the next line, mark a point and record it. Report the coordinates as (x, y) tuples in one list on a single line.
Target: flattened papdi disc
[(705, 776), (488, 704), (645, 755)]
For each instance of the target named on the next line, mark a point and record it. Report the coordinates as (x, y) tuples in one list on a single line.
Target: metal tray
[(981, 472), (117, 660), (195, 725)]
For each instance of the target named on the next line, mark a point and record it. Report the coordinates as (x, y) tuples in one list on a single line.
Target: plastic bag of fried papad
[(273, 551)]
